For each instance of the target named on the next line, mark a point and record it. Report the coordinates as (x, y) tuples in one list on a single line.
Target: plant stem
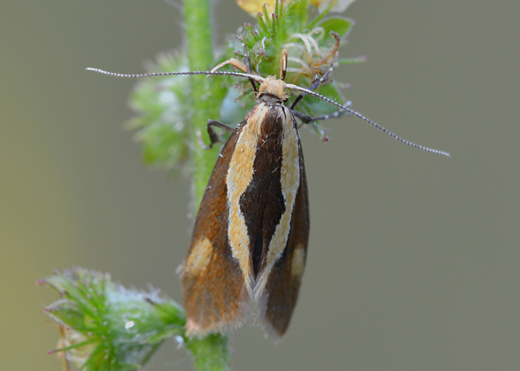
[(206, 94), (210, 353)]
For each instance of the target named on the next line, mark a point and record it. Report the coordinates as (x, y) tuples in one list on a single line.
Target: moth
[(249, 242)]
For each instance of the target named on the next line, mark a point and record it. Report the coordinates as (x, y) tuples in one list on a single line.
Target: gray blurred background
[(413, 258)]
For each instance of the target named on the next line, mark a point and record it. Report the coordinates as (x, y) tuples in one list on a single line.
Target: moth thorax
[(272, 90)]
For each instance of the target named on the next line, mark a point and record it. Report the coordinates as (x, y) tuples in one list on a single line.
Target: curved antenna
[(288, 86), (155, 74), (359, 115)]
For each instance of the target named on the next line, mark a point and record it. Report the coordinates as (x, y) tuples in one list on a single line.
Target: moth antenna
[(154, 74), (359, 115)]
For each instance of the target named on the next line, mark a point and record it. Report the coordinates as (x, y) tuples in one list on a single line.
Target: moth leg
[(322, 80), (247, 63), (307, 119), (213, 136)]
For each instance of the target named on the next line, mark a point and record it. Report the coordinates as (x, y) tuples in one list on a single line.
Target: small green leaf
[(341, 25), (67, 312), (319, 107)]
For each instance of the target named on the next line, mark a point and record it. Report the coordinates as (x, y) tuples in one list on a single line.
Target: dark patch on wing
[(281, 291), (262, 203)]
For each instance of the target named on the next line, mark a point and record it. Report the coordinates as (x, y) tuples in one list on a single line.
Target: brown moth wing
[(214, 290), (261, 172), (262, 203), (283, 282)]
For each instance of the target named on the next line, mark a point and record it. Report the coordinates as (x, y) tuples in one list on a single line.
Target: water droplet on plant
[(180, 341)]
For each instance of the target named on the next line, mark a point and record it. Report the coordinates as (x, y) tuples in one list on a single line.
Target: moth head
[(272, 90)]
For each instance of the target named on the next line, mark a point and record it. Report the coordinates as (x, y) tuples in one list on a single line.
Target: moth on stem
[(249, 242)]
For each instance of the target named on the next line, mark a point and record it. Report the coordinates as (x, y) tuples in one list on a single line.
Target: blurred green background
[(413, 259)]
